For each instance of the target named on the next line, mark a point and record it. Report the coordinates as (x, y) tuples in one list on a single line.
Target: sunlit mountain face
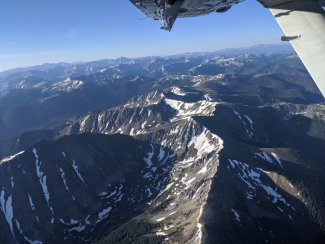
[(223, 147)]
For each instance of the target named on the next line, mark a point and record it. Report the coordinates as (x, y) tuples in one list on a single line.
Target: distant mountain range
[(64, 69), (56, 92), (222, 147)]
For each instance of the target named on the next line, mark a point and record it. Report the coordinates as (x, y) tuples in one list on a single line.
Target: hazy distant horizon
[(285, 45)]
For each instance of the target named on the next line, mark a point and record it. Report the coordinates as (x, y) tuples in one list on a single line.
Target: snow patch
[(208, 97), (78, 228), (31, 202), (277, 159), (237, 216), (42, 179), (251, 177), (67, 85), (251, 123), (247, 122), (203, 108), (266, 157), (148, 159), (148, 190), (64, 179), (103, 214), (76, 169), (7, 159), (199, 227), (202, 143), (7, 210), (167, 188), (26, 239), (12, 182), (160, 219), (161, 154), (177, 91)]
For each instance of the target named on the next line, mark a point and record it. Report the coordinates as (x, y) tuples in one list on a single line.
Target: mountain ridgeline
[(224, 147)]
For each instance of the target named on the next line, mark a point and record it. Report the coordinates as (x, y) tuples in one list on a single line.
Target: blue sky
[(38, 31)]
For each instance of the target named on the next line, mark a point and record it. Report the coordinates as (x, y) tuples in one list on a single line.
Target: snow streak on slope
[(272, 159), (6, 208), (42, 179), (103, 214), (6, 159), (247, 123), (76, 169), (252, 177)]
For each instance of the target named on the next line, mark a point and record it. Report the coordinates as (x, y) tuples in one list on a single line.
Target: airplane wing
[(169, 10), (303, 23)]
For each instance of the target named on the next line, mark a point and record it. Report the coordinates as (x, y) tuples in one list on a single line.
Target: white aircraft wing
[(303, 23)]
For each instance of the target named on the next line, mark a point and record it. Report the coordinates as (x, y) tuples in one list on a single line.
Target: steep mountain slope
[(196, 164), (269, 178), (228, 171), (49, 193)]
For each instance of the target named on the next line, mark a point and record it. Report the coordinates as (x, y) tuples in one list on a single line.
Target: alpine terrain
[(220, 147)]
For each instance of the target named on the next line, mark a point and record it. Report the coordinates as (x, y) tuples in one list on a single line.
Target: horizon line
[(138, 57)]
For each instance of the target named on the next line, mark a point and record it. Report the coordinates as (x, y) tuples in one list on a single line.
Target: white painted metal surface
[(305, 18)]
